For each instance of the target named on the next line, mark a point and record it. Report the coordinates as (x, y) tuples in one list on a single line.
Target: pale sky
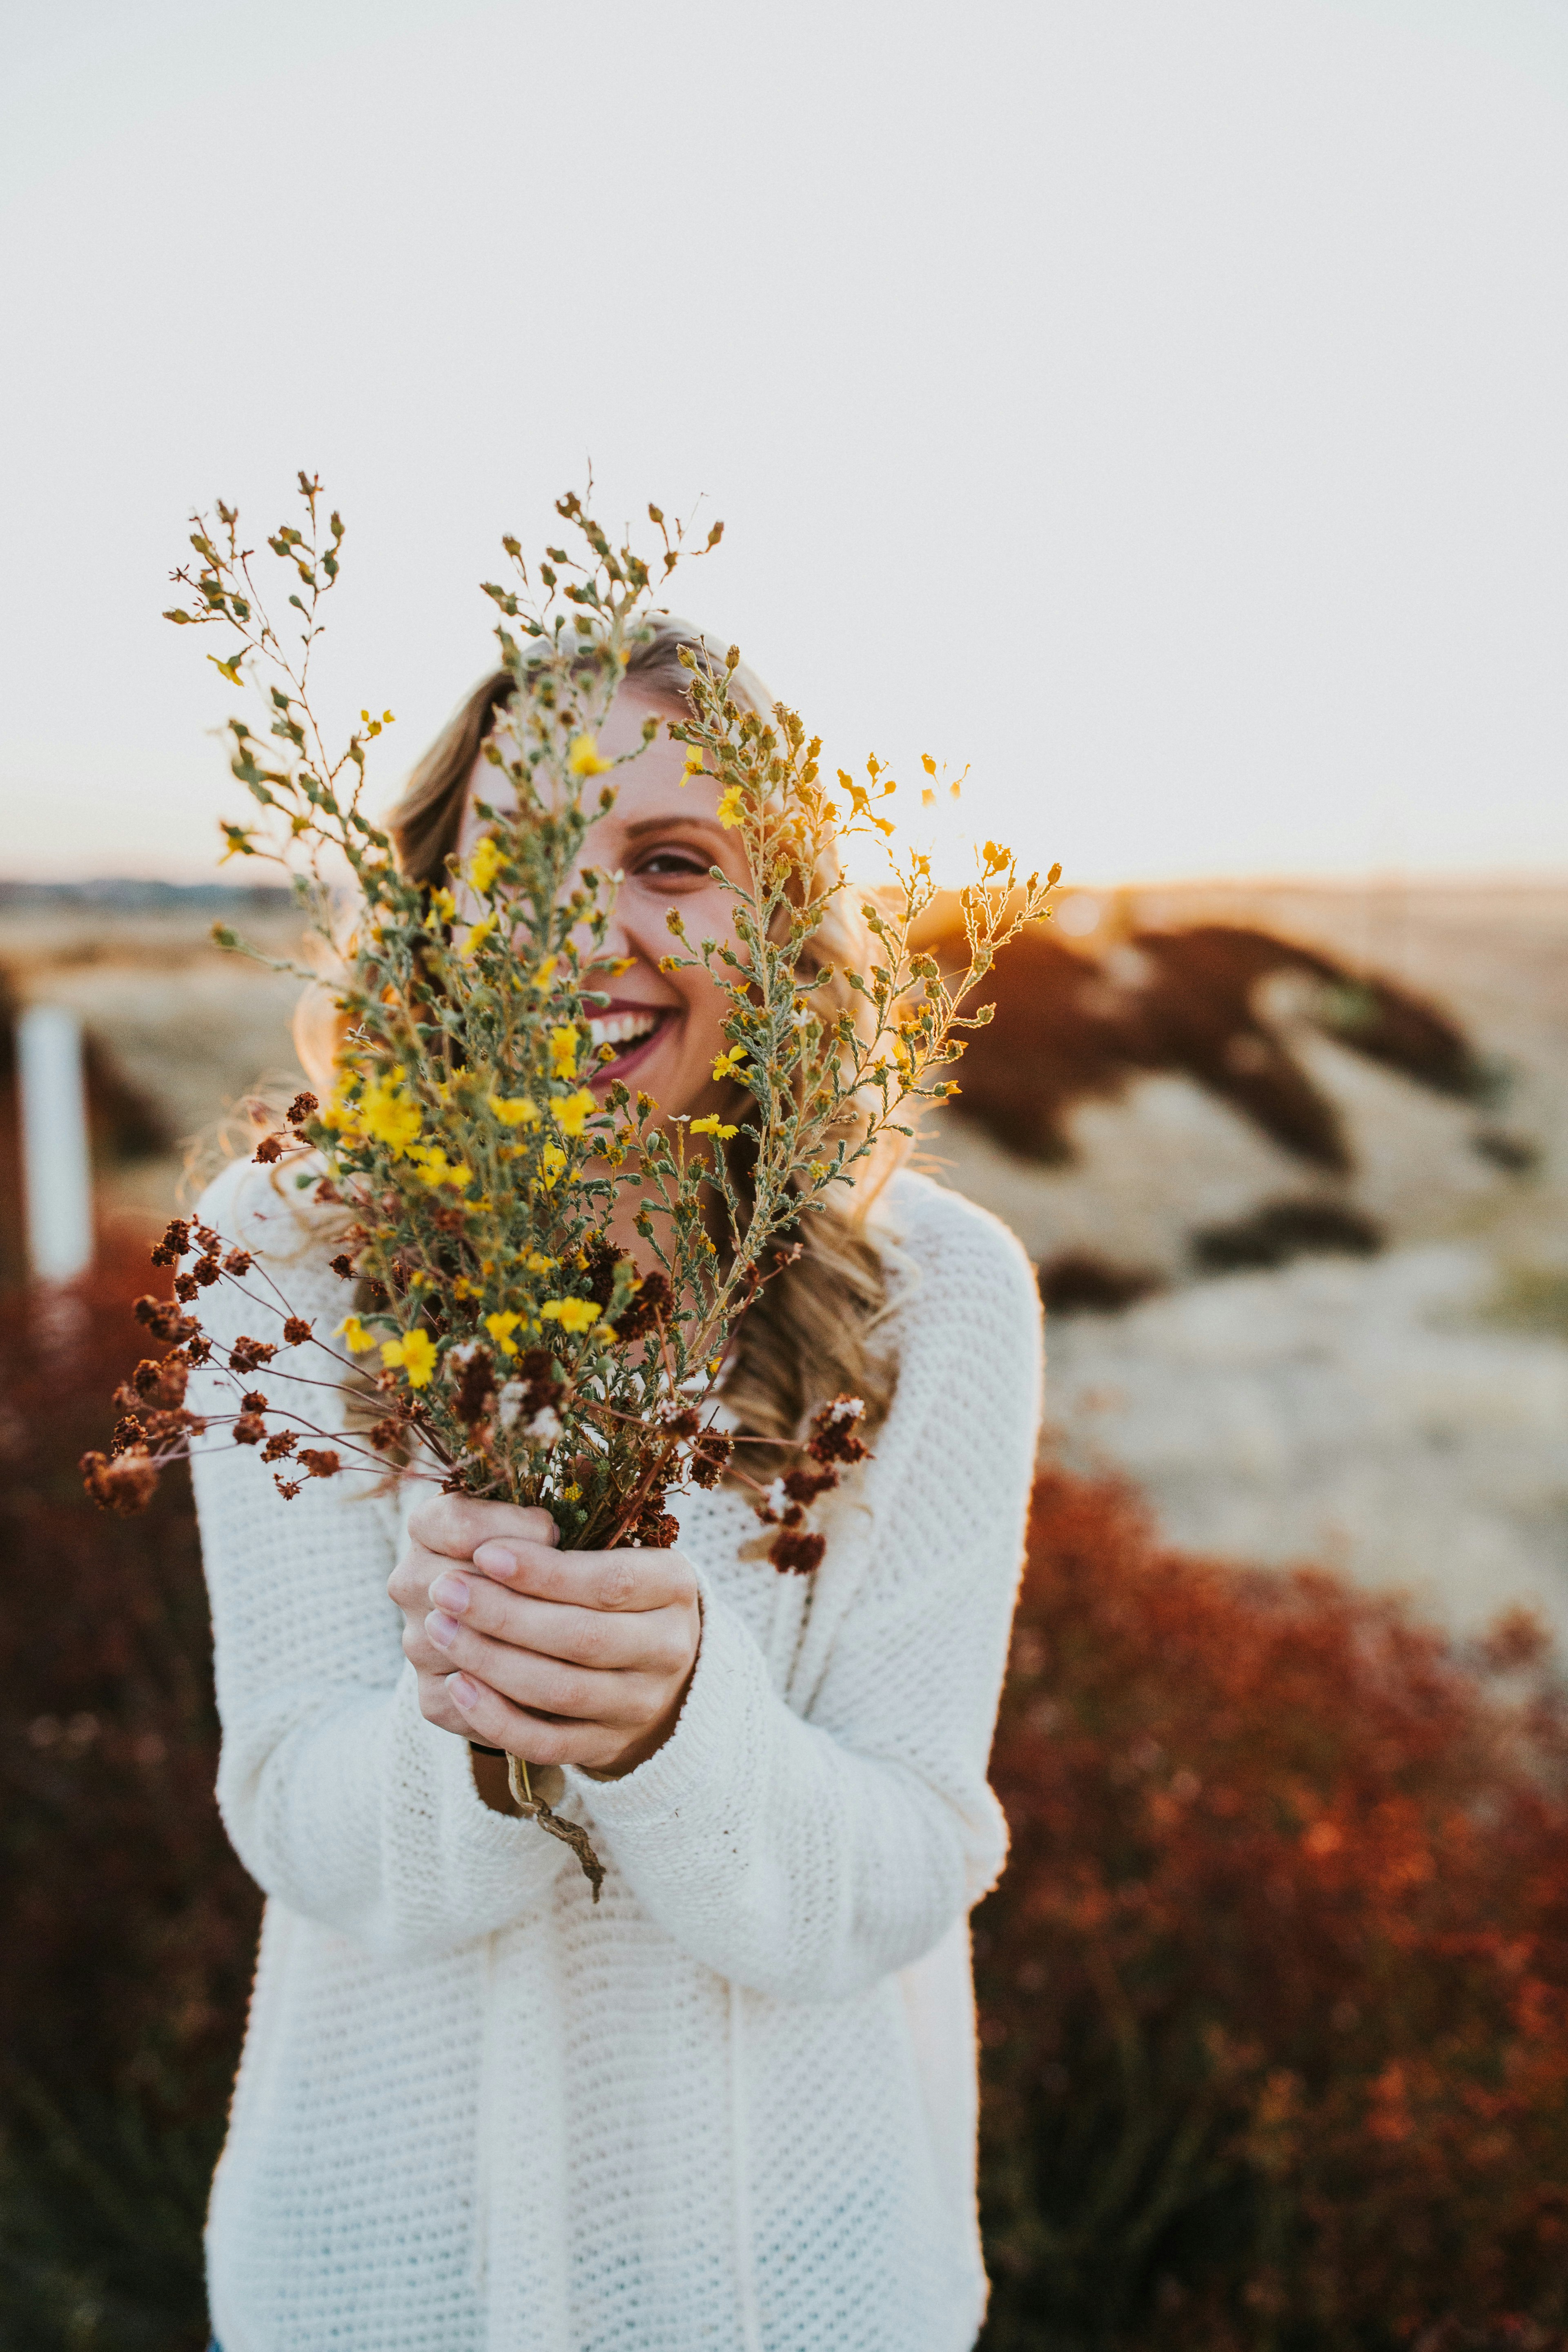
[(1161, 406)]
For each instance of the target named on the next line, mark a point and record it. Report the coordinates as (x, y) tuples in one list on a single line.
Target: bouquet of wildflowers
[(511, 1349)]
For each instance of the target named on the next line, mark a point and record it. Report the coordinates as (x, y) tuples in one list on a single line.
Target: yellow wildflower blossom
[(386, 1112), (728, 1065), (442, 905), (552, 1161), (574, 1114), (545, 974), (563, 1044), (416, 1354), (537, 1263), (714, 1127), (485, 864), (572, 1314), (730, 806), (570, 1494), (693, 767), (434, 1166), (479, 934), (355, 1335), (583, 758), (464, 1289), (500, 1328), (514, 1110)]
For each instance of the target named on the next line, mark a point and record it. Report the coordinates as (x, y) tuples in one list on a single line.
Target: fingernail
[(495, 1558), (451, 1592), (443, 1630), (462, 1692)]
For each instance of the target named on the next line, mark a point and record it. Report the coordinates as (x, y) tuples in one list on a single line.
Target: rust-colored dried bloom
[(270, 1148), (296, 1331), (123, 1485), (248, 1355), (279, 1444), (207, 1271), (651, 1305), (302, 1107), (237, 1262), (249, 1429), (320, 1461), (343, 1266), (795, 1553), (288, 1487), (834, 1436), (161, 1381), (710, 1458)]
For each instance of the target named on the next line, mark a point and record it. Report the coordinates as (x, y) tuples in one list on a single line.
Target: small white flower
[(777, 1500), (848, 1408), (545, 1426), (509, 1403), (464, 1353)]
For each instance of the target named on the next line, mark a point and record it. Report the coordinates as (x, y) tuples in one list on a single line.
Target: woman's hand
[(560, 1657)]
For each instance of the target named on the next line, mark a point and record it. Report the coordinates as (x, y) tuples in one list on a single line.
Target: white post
[(55, 1164)]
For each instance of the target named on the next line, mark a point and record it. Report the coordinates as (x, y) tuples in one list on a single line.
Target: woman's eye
[(672, 861)]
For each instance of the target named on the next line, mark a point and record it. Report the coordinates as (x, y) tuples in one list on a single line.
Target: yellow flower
[(415, 1353), (386, 1112), (564, 1043), (546, 972), (464, 1289), (728, 1065), (500, 1328), (442, 905), (537, 1263), (435, 1167), (570, 1494), (551, 1160), (730, 807), (479, 934), (693, 767), (583, 758), (514, 1110), (485, 864), (572, 1314), (713, 1127), (572, 1115), (355, 1336)]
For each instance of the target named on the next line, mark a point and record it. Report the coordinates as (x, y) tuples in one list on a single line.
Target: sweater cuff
[(720, 1722)]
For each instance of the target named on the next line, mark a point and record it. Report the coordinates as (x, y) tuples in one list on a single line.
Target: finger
[(454, 1524), (495, 1722), (630, 1579), (411, 1579), (547, 1686), (436, 1705), (656, 1640)]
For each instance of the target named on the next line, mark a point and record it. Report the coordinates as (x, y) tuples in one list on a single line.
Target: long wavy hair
[(811, 1331)]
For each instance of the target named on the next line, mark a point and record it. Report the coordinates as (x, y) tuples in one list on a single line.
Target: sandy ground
[(1405, 1417)]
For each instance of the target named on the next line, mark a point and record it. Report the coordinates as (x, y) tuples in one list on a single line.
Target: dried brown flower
[(796, 1554), (249, 1429), (161, 1380), (302, 1107), (320, 1461), (270, 1148), (123, 1486), (248, 1355), (237, 1262), (280, 1444), (296, 1331)]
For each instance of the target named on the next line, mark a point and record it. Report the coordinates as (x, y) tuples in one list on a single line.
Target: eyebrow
[(676, 817)]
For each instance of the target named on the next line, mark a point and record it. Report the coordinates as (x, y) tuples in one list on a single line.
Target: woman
[(733, 2106)]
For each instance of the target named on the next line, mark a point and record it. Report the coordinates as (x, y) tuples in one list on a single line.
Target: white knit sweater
[(731, 2109)]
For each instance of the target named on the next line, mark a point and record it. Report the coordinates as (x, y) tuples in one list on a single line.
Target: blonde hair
[(810, 1332)]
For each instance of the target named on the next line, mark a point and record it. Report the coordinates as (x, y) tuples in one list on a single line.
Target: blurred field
[(1401, 1413)]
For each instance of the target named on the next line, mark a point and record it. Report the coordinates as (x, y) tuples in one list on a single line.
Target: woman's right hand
[(444, 1531)]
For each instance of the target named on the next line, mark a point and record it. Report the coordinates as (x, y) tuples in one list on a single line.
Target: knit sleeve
[(340, 1800), (807, 1855)]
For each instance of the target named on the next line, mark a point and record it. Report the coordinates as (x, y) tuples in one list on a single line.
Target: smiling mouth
[(630, 1034)]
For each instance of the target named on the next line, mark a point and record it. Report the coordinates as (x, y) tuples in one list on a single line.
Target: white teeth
[(621, 1028)]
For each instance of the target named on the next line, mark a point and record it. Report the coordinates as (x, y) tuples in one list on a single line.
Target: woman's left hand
[(560, 1657)]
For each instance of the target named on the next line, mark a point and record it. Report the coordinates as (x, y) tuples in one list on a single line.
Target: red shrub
[(126, 1945), (1275, 1991)]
